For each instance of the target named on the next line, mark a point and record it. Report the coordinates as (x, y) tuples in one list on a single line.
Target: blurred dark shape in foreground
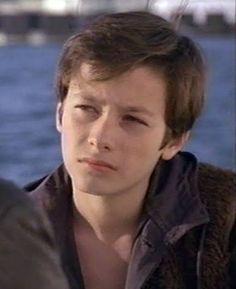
[(28, 258)]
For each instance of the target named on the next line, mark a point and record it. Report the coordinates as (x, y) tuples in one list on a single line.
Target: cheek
[(70, 127), (145, 151), (142, 151), (73, 135), (68, 134), (140, 161)]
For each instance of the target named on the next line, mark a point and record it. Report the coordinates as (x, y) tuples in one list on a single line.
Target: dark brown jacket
[(187, 238)]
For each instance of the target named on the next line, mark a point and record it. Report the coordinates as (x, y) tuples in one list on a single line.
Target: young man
[(28, 257), (130, 210)]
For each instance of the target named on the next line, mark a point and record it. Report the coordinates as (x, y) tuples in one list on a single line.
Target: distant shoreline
[(39, 28)]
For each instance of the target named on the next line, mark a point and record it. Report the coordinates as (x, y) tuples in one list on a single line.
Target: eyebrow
[(137, 109), (127, 109), (87, 97)]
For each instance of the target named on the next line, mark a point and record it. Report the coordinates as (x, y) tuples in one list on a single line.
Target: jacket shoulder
[(10, 195), (217, 189), (50, 190), (217, 181), (218, 193)]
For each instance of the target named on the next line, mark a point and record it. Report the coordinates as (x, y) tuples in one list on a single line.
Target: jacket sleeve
[(28, 258)]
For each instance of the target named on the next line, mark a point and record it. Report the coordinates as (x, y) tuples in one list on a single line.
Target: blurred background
[(32, 33)]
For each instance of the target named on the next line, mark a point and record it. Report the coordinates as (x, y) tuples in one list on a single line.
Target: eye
[(86, 108), (134, 119)]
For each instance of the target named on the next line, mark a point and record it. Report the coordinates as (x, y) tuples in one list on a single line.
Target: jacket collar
[(173, 200), (53, 193), (172, 208)]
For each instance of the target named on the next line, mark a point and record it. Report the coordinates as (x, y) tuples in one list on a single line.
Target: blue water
[(29, 143)]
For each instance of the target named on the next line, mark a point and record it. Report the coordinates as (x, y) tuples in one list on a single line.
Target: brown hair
[(116, 43)]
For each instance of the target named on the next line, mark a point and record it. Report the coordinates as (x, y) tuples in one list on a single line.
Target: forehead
[(87, 75), (139, 85)]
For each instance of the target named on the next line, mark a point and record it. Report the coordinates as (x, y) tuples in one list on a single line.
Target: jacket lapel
[(173, 208)]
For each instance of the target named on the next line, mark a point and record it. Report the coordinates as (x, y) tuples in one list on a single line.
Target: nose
[(103, 134)]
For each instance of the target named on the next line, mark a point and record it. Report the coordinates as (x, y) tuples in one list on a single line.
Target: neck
[(109, 217)]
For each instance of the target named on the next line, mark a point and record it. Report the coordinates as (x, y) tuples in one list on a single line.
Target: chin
[(95, 189), (88, 187)]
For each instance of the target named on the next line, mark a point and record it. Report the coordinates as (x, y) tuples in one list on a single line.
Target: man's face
[(112, 131)]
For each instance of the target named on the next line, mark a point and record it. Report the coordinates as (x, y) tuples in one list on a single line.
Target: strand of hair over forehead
[(176, 20)]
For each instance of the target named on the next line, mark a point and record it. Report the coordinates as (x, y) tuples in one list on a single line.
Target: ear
[(59, 112), (174, 146)]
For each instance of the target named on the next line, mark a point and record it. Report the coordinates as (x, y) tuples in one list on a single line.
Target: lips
[(97, 163)]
